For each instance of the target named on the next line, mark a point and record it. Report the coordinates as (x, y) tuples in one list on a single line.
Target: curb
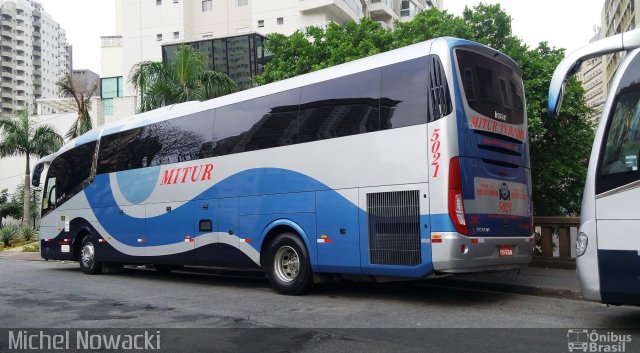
[(508, 288)]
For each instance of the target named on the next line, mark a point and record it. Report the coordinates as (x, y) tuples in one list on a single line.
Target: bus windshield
[(491, 88)]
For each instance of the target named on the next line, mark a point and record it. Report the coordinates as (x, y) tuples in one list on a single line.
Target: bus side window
[(49, 199), (620, 154)]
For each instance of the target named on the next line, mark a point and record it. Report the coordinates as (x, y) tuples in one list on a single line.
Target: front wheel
[(287, 265), (88, 262)]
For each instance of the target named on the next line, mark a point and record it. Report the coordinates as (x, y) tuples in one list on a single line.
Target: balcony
[(343, 10), (382, 10)]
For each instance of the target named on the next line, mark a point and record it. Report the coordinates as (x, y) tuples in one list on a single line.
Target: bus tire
[(87, 258), (287, 265)]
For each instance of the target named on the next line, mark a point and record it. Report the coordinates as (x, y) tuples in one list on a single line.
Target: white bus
[(404, 164), (608, 243)]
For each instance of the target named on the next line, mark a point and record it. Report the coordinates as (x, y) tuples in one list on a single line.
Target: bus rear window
[(491, 88)]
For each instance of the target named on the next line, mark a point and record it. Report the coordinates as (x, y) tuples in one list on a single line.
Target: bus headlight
[(581, 244)]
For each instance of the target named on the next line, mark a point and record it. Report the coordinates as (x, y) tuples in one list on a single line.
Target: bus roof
[(182, 109)]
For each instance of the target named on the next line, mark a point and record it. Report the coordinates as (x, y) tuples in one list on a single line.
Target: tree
[(19, 136), (68, 89), (8, 208), (17, 199), (184, 79), (318, 48), (559, 148)]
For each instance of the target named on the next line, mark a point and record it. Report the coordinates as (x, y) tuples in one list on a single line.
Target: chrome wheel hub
[(287, 264), (87, 255)]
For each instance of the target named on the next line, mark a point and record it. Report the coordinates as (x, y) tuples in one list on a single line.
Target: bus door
[(50, 225), (618, 191), (206, 235)]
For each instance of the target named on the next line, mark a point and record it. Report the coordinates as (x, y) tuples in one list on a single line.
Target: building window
[(158, 37), (176, 35), (158, 2), (207, 5), (176, 1), (260, 23), (207, 35), (242, 3), (280, 20)]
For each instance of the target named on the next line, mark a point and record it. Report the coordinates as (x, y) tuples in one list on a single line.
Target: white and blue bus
[(405, 164), (608, 243)]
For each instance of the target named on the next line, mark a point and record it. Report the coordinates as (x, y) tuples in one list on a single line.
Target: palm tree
[(19, 136), (184, 79), (68, 89)]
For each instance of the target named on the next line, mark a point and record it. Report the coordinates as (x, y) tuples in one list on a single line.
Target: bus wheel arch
[(77, 242), (285, 258)]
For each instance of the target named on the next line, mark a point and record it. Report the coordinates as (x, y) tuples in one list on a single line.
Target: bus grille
[(394, 228)]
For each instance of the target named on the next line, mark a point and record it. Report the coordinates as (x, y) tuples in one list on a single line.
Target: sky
[(563, 23)]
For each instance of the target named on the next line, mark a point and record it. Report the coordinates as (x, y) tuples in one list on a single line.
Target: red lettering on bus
[(181, 175), (435, 151)]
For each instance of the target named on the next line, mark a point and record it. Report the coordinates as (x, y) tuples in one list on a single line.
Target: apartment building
[(617, 16), (592, 76), (144, 26), (34, 55)]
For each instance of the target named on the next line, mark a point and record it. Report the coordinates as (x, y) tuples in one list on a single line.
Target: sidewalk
[(17, 254), (549, 282)]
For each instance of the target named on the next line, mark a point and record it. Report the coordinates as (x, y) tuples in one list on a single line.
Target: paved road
[(55, 294)]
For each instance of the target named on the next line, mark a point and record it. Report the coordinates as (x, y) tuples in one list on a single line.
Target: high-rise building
[(618, 16), (34, 54), (144, 26), (592, 76)]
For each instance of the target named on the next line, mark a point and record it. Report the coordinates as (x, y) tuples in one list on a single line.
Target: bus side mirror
[(37, 171)]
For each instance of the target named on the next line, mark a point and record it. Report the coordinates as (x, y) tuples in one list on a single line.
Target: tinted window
[(123, 151), (492, 88), (180, 140), (621, 151), (172, 141), (345, 106), (404, 94), (256, 124), (69, 172)]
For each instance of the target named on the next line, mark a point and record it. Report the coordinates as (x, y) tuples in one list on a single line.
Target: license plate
[(506, 251)]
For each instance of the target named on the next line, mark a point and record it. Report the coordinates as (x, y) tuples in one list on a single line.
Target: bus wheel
[(88, 262), (287, 265)]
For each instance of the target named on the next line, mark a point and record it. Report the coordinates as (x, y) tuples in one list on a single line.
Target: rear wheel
[(88, 262), (287, 265)]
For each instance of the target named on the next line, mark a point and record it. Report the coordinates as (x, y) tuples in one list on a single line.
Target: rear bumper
[(481, 255)]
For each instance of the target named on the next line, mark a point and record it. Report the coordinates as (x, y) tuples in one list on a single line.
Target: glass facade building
[(240, 57)]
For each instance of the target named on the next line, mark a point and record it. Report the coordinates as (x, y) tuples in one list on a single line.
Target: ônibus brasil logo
[(591, 341)]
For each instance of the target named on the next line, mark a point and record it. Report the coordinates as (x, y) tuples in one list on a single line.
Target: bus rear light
[(456, 201)]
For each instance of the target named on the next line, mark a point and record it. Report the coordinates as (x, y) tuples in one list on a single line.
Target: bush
[(8, 233), (28, 233), (31, 248)]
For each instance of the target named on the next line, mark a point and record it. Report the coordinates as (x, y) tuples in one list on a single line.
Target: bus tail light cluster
[(456, 202)]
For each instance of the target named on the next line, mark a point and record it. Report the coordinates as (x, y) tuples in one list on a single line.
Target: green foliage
[(9, 207), (28, 233), (559, 147), (68, 89), (184, 79), (20, 136), (31, 248), (8, 233)]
